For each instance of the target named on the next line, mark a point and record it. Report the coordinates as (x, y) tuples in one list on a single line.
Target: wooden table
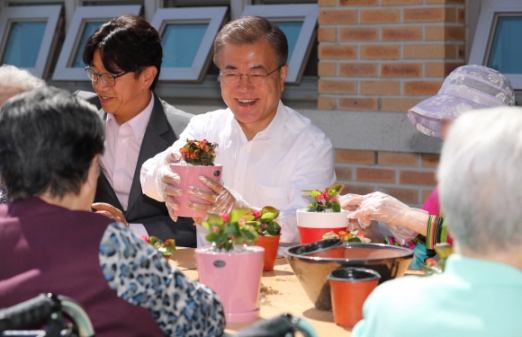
[(288, 295)]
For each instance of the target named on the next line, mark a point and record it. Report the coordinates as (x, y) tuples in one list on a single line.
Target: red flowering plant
[(327, 200), (166, 248), (264, 223), (199, 152), (227, 231), (433, 266)]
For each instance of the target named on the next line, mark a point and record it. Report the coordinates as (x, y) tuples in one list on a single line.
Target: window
[(298, 23), (85, 21), (496, 43), (187, 35), (29, 36)]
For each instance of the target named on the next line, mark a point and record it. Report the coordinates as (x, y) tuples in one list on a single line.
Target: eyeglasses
[(256, 77), (108, 79)]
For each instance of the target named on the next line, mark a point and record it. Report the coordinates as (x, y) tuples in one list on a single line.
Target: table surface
[(281, 293)]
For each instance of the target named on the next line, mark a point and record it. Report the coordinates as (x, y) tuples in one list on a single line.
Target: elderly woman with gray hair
[(467, 88), (480, 292), (12, 82)]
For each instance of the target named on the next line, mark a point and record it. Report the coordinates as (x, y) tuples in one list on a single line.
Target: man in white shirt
[(269, 152), (124, 60)]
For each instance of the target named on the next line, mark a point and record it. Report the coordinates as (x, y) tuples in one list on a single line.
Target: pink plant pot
[(189, 177), (312, 225), (236, 279)]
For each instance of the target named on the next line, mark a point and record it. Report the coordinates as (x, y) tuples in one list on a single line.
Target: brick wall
[(410, 177), (386, 56)]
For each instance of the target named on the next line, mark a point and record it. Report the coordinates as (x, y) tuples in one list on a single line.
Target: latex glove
[(221, 199), (403, 221), (109, 211), (165, 182)]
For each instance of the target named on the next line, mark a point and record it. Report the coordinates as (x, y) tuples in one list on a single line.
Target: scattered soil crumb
[(268, 291)]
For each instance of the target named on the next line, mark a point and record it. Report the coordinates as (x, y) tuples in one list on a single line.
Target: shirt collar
[(274, 130), (139, 123)]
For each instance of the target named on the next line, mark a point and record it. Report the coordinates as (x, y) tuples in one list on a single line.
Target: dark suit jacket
[(165, 124)]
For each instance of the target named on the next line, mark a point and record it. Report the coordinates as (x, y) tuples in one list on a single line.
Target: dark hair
[(48, 139), (249, 30), (126, 43)]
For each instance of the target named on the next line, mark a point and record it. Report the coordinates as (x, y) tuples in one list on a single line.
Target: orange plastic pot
[(270, 244), (349, 288)]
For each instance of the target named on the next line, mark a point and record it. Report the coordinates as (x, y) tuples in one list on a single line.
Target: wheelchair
[(48, 308)]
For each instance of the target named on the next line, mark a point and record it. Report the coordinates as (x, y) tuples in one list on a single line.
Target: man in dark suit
[(124, 60)]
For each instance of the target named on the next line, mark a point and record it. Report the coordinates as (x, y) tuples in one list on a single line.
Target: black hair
[(48, 140), (126, 43)]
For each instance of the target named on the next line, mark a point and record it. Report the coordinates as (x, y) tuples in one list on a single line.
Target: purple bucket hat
[(467, 88)]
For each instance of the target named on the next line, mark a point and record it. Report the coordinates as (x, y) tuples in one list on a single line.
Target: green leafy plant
[(433, 266), (263, 222), (325, 200), (229, 230), (166, 248), (199, 152)]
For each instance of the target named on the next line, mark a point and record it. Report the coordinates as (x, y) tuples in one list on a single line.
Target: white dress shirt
[(122, 148), (272, 169)]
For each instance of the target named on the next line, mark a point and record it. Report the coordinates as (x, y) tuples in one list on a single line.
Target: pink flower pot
[(189, 177), (312, 225), (236, 279)]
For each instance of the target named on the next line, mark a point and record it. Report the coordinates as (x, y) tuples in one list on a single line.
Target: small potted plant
[(166, 248), (197, 158), (231, 266), (269, 232), (323, 215)]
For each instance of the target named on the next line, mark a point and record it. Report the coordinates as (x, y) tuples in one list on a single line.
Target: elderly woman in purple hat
[(467, 88)]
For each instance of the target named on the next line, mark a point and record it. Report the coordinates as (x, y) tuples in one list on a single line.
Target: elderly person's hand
[(403, 221), (165, 182), (221, 199), (109, 211)]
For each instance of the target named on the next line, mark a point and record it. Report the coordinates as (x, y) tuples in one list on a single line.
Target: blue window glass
[(181, 43), (292, 29), (24, 42), (506, 50), (88, 29)]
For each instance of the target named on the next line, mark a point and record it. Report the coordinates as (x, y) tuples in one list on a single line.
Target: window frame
[(63, 71), (215, 16), (485, 33), (306, 38), (51, 13)]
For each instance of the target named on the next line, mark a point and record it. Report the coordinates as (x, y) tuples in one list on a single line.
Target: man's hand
[(109, 211), (166, 181), (221, 199)]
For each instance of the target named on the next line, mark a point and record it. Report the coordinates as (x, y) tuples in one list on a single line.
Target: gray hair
[(480, 181), (13, 78)]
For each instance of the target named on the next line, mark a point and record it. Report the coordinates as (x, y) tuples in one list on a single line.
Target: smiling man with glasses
[(269, 152), (123, 60)]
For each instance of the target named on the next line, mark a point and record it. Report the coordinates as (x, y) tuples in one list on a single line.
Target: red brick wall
[(410, 177), (386, 56)]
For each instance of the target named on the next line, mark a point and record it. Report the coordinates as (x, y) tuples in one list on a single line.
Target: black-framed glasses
[(108, 79), (256, 77)]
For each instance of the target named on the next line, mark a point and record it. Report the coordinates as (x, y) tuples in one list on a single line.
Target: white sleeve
[(315, 170)]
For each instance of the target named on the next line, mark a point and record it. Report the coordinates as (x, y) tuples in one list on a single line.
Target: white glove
[(221, 199), (165, 181)]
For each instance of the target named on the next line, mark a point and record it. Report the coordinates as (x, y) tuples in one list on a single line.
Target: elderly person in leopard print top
[(51, 242)]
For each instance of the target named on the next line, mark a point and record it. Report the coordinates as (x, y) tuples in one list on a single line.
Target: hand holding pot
[(165, 181), (221, 199)]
